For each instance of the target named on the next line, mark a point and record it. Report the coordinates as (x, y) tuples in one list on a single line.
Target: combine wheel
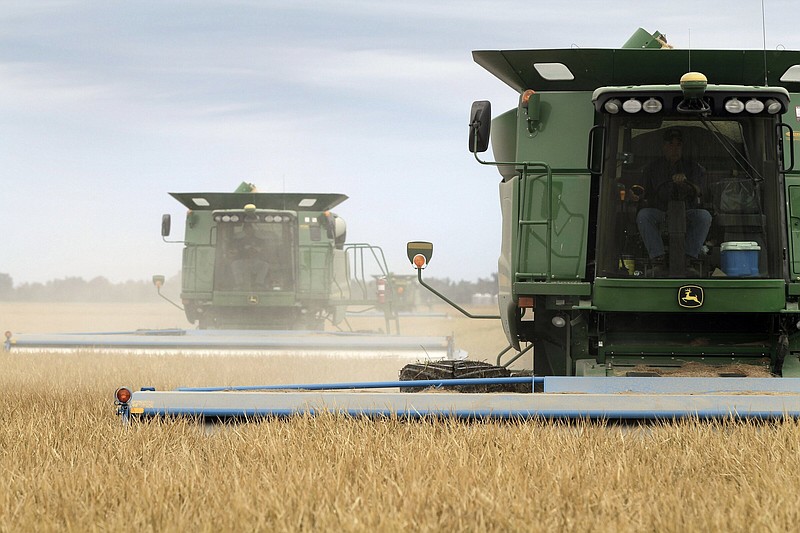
[(457, 369)]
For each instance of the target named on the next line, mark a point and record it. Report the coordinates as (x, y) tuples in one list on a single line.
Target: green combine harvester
[(265, 273), (650, 249), (256, 260)]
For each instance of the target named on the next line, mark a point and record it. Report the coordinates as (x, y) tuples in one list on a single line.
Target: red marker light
[(419, 261), (526, 302), (526, 96), (123, 395)]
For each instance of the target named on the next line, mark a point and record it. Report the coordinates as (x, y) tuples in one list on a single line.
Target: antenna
[(690, 49), (764, 36)]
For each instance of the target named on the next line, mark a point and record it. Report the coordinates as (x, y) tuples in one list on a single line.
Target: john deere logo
[(690, 296)]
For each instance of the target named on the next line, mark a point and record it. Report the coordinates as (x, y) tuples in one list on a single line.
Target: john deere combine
[(264, 273), (271, 261), (650, 242)]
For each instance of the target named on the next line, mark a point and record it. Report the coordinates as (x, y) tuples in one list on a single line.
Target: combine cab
[(650, 243)]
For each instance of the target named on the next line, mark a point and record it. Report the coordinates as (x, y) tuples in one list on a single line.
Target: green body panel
[(198, 269), (562, 222), (504, 143), (250, 300), (793, 211), (553, 288), (314, 270), (564, 120), (545, 206), (661, 295)]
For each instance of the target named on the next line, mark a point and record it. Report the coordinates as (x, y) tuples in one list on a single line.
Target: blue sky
[(105, 107)]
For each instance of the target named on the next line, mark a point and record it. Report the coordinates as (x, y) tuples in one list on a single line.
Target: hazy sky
[(106, 106)]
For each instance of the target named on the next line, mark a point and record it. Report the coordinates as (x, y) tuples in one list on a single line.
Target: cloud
[(106, 106)]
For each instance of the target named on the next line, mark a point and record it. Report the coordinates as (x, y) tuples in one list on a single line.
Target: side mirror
[(419, 253), (166, 225), (480, 123)]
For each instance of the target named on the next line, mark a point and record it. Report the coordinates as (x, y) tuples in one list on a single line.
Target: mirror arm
[(447, 300)]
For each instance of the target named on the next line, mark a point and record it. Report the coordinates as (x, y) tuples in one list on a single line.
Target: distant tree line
[(462, 291), (75, 289), (100, 289)]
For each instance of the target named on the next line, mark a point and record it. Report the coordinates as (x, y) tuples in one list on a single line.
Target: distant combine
[(265, 273)]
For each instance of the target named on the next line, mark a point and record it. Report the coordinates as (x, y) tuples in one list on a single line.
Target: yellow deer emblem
[(690, 296)]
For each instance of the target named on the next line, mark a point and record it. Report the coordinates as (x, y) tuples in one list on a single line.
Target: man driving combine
[(673, 177), (249, 266)]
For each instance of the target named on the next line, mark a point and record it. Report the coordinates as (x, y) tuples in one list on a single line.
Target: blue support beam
[(571, 398)]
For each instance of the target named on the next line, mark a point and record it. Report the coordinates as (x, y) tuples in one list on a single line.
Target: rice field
[(67, 463)]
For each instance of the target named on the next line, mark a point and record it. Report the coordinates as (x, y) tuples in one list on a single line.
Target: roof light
[(773, 106), (734, 105), (754, 106), (554, 71), (613, 106), (226, 218), (792, 74), (652, 105), (234, 218), (632, 106)]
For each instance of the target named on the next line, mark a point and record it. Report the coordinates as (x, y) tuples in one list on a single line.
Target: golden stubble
[(67, 463)]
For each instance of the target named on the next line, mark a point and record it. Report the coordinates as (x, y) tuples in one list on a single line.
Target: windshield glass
[(689, 198), (254, 256)]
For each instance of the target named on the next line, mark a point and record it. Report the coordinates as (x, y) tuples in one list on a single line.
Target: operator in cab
[(673, 177), (249, 265)]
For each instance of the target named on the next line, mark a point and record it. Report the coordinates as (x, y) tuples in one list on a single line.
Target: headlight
[(613, 106), (632, 106), (754, 106), (773, 106), (652, 105), (734, 105)]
